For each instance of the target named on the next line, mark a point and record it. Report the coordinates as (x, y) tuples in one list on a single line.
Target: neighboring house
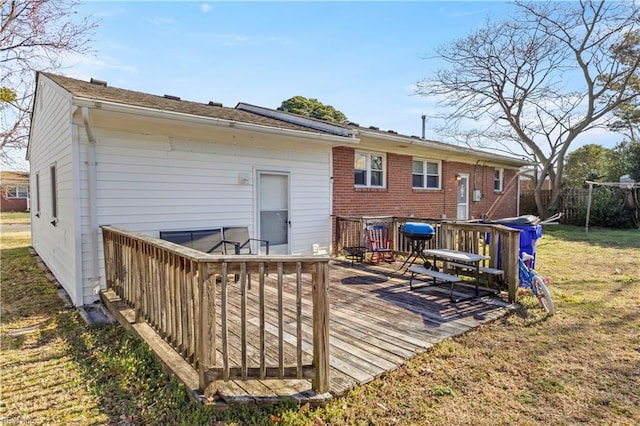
[(15, 191), (101, 155)]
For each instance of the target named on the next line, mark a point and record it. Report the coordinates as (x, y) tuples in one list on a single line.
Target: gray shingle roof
[(260, 116), (92, 91)]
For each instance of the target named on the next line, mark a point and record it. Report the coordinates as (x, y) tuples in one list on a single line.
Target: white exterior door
[(273, 211), (463, 197)]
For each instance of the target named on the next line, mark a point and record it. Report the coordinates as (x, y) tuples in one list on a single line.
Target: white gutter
[(91, 194), (198, 119)]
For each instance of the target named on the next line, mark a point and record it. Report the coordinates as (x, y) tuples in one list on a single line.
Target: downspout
[(91, 194)]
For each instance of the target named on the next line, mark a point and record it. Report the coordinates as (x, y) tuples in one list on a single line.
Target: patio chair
[(380, 245), (238, 240)]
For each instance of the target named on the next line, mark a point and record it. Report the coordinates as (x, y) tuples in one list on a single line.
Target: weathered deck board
[(376, 324)]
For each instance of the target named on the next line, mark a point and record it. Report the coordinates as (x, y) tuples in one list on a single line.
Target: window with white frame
[(369, 169), (426, 174), (497, 180), (17, 191)]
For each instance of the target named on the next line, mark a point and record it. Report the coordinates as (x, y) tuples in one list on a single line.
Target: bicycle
[(530, 279)]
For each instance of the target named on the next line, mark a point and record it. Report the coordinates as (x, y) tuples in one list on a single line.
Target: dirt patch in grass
[(579, 366)]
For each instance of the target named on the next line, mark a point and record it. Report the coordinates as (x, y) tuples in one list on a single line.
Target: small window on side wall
[(369, 169), (37, 195), (54, 196), (497, 180), (426, 174)]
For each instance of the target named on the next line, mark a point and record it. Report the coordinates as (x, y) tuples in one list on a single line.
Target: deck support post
[(206, 325)]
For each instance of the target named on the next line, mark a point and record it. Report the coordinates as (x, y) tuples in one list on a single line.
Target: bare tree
[(35, 35), (538, 80)]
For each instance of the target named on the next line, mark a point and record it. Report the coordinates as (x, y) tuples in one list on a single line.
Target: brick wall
[(13, 204), (400, 199)]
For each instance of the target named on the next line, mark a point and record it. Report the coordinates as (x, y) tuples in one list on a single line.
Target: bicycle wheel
[(542, 293)]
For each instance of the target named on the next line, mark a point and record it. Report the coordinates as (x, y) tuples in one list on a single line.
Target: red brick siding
[(13, 204), (400, 199)]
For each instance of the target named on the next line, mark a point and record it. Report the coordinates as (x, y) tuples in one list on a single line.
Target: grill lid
[(416, 229)]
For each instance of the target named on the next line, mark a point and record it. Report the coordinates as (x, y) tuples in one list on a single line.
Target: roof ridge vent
[(173, 98), (215, 104), (98, 82)]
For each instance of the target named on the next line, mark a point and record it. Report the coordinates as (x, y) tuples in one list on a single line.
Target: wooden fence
[(500, 243), (184, 295)]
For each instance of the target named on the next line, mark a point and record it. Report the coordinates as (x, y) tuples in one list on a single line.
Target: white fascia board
[(198, 119), (459, 151)]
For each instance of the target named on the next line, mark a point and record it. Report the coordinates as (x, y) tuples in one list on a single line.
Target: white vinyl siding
[(51, 143), (148, 183)]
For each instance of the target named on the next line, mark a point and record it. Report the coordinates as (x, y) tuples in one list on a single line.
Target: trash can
[(530, 232)]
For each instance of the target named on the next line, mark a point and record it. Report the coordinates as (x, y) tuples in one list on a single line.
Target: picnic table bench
[(491, 274), (435, 275)]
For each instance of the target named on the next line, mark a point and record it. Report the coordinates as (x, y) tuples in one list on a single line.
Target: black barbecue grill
[(417, 234)]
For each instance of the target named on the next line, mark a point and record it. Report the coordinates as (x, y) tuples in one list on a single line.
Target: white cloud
[(161, 21), (77, 65), (240, 39), (206, 8)]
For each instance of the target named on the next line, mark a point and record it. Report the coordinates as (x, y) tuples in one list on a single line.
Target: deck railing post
[(320, 291), (444, 239), (338, 235), (511, 268)]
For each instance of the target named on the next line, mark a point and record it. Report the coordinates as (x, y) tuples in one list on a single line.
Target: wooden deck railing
[(184, 295), (499, 242), (351, 231)]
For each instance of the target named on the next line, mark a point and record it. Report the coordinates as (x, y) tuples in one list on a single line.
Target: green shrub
[(608, 210)]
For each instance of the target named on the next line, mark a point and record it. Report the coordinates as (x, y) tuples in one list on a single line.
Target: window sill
[(369, 188)]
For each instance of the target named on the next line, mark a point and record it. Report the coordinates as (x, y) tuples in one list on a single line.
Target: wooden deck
[(376, 324)]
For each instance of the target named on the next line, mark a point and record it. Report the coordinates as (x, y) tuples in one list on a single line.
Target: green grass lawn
[(579, 366), (11, 218)]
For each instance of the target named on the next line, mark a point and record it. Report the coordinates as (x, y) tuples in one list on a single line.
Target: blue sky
[(363, 58)]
